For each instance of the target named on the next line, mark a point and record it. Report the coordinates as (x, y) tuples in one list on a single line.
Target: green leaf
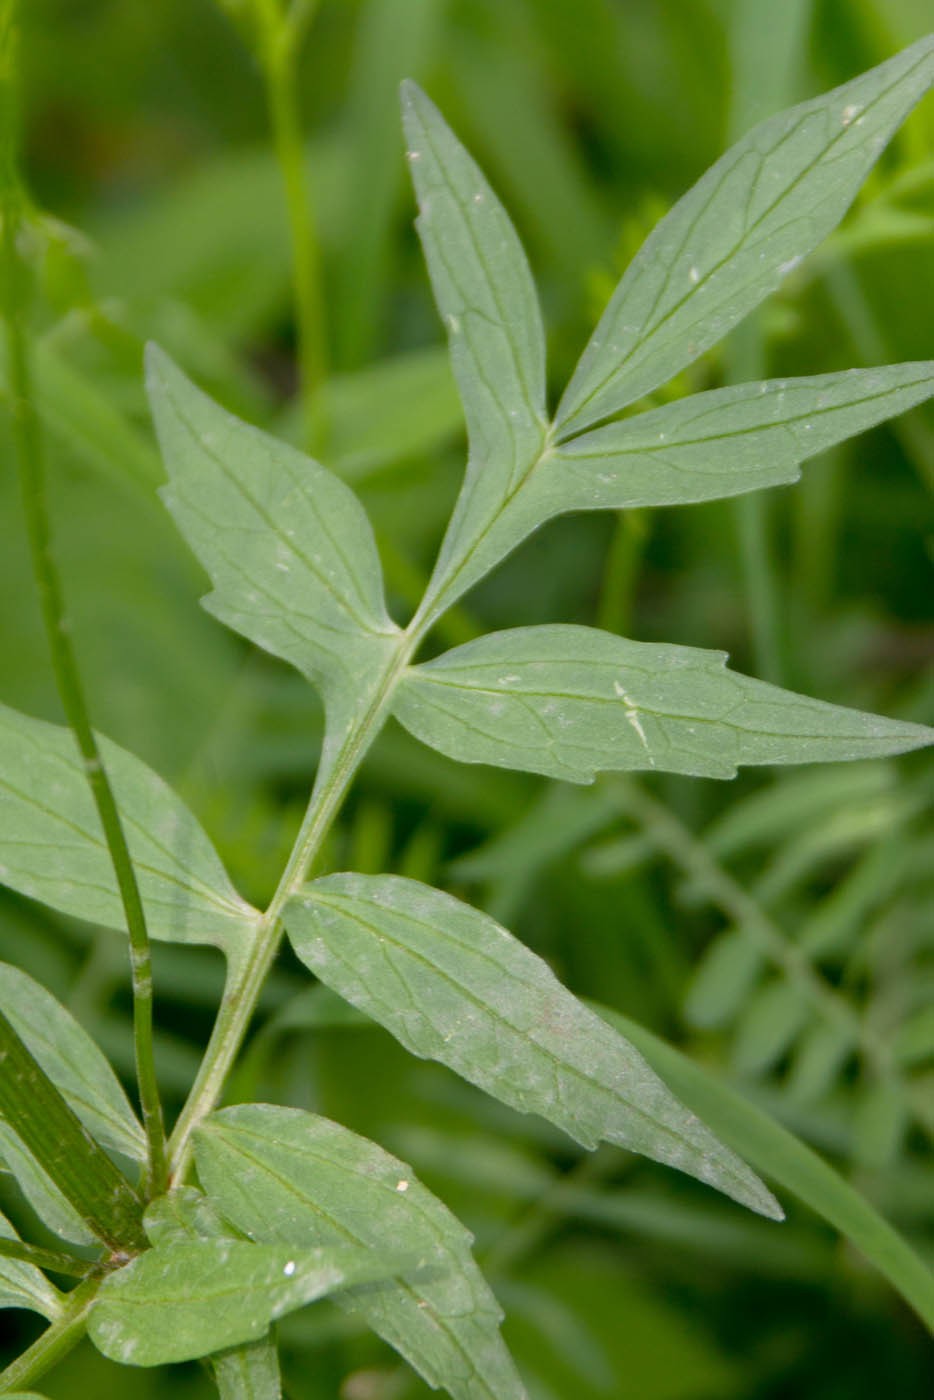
[(22, 1285), (52, 847), (768, 1025), (725, 975), (914, 1040), (185, 1214), (571, 701), (40, 1190), (72, 1061), (733, 237), (52, 1134), (722, 443), (281, 1174), (287, 544), (881, 1124), (788, 1162), (398, 409), (453, 985), (188, 1299), (819, 1059), (248, 1373), (487, 300)]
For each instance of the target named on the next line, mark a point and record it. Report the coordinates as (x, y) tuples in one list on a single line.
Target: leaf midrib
[(381, 936), (809, 109)]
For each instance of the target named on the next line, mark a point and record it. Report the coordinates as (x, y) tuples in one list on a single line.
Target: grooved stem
[(248, 973)]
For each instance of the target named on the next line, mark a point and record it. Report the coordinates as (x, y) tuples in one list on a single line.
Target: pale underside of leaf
[(487, 300), (282, 1174), (743, 227), (22, 1285), (453, 985), (571, 701), (187, 1299), (706, 447), (52, 847), (724, 442), (72, 1060), (286, 544)]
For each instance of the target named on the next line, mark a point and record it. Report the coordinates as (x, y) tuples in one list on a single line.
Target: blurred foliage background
[(779, 929)]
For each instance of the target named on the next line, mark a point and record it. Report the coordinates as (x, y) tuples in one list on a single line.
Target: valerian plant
[(193, 1249)]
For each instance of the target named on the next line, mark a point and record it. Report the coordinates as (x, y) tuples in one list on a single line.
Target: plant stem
[(621, 571), (27, 440), (247, 975), (56, 1341), (279, 47), (45, 1258), (753, 515)]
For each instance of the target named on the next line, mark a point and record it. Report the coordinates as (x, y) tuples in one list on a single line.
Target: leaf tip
[(158, 366), (409, 93)]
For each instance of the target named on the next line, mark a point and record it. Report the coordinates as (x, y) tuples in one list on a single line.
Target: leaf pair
[(723, 248)]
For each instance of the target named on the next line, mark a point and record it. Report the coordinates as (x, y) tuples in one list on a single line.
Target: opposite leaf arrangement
[(290, 1206)]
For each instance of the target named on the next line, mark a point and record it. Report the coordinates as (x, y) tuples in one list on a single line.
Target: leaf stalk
[(55, 1342)]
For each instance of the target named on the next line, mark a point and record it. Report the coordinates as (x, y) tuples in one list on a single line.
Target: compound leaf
[(52, 847), (743, 227), (487, 300), (521, 473), (571, 701), (453, 985), (187, 1299), (72, 1061), (287, 545), (282, 1174)]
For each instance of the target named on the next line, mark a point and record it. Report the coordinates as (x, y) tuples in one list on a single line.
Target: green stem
[(27, 440), (621, 571), (753, 516), (56, 1341), (247, 975), (46, 1258), (278, 57)]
